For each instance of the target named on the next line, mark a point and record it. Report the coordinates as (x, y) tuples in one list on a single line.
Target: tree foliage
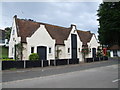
[(109, 21), (7, 32)]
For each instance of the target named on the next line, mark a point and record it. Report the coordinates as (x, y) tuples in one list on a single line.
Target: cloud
[(83, 14)]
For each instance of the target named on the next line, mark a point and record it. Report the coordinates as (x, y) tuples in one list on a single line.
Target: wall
[(111, 53), (24, 51), (68, 45), (41, 38), (61, 53), (14, 39), (118, 52), (93, 44)]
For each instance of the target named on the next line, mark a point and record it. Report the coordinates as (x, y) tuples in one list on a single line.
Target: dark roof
[(26, 28), (114, 47), (2, 34), (85, 36), (58, 33)]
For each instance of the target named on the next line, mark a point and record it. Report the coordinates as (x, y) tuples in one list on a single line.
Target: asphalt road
[(99, 77), (47, 71)]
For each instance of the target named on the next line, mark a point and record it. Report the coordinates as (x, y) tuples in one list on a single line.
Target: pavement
[(21, 74)]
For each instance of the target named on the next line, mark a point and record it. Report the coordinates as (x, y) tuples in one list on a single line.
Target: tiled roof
[(26, 28), (85, 36), (114, 47)]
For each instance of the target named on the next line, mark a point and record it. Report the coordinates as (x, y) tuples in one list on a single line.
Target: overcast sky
[(82, 14)]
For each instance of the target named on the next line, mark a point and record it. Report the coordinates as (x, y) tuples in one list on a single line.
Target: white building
[(114, 51), (50, 41)]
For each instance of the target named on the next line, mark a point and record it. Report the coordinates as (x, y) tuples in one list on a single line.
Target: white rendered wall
[(93, 44), (68, 45), (41, 38), (15, 41), (111, 53), (24, 57), (118, 52), (62, 53)]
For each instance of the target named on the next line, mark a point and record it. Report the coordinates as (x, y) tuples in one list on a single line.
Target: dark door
[(74, 46), (42, 52), (94, 52)]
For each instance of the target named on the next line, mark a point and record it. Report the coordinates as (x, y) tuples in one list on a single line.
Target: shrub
[(34, 56)]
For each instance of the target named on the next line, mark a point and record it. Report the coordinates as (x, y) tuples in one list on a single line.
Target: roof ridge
[(43, 23)]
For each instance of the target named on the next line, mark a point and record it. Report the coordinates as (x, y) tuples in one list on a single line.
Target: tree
[(7, 32), (109, 21)]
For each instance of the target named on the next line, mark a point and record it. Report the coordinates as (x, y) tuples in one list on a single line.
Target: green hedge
[(8, 59), (34, 56), (4, 52)]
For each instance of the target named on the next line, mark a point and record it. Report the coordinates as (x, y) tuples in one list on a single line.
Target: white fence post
[(68, 61), (54, 62), (24, 63), (42, 63)]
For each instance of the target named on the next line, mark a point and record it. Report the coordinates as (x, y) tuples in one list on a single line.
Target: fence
[(12, 64), (58, 62), (45, 63), (23, 64), (88, 60)]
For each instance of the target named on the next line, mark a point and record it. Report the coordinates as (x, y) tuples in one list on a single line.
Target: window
[(13, 32), (68, 50), (32, 49), (12, 51), (79, 49), (49, 50)]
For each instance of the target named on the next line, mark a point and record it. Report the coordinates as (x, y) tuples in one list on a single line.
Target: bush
[(34, 56)]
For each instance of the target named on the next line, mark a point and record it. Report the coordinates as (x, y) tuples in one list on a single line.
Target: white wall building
[(114, 51), (49, 41)]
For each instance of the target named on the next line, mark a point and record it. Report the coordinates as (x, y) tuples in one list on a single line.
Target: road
[(92, 75), (100, 77)]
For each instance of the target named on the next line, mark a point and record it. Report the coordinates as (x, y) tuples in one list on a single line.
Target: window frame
[(50, 50), (68, 50), (32, 49)]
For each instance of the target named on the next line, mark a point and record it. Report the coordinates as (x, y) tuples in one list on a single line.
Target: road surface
[(100, 77), (102, 74)]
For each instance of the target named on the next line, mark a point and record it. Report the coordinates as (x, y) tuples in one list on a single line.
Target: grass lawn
[(4, 51)]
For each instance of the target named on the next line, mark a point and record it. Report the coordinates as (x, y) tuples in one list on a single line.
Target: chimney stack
[(15, 16), (73, 26)]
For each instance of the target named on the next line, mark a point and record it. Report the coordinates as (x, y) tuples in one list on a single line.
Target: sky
[(82, 14)]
